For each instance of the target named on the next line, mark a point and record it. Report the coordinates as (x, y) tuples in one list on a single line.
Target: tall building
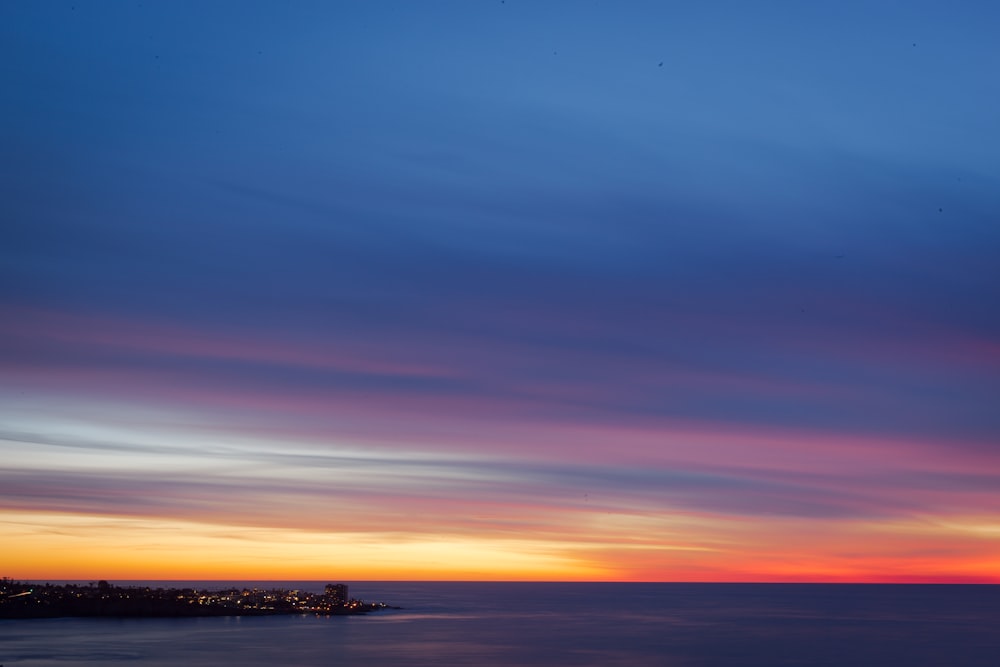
[(337, 594)]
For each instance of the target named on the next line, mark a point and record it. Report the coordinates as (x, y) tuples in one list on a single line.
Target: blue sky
[(529, 234)]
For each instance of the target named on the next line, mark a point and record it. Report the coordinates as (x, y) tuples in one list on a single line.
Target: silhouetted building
[(337, 594)]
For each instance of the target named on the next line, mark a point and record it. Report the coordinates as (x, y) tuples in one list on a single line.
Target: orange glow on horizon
[(145, 549)]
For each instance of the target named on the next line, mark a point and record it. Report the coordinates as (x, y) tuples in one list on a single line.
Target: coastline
[(24, 600)]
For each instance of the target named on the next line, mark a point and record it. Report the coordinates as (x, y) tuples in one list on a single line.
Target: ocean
[(551, 624)]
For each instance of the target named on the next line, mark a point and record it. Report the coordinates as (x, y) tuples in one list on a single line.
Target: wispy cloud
[(431, 287)]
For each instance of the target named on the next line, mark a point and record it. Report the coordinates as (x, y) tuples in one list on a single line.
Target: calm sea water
[(553, 625)]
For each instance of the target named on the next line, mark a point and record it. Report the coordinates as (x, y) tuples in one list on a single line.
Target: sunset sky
[(678, 291)]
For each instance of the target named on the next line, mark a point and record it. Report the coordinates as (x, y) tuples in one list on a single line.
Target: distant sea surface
[(549, 624)]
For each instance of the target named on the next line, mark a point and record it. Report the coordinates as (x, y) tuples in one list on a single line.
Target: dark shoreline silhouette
[(21, 600)]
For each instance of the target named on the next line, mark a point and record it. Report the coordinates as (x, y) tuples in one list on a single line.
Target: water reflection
[(554, 625)]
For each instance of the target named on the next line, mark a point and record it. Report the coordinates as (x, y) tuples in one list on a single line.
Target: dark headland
[(28, 600)]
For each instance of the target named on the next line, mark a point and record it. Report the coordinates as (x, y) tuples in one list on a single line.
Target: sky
[(500, 290)]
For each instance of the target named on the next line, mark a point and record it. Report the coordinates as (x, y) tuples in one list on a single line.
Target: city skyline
[(500, 290)]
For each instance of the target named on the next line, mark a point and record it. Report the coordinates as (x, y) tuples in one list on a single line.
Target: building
[(336, 594)]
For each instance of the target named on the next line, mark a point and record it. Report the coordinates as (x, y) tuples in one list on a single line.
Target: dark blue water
[(554, 625)]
